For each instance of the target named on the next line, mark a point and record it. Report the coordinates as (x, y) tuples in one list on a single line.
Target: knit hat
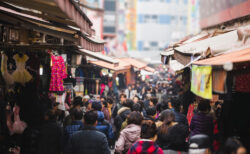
[(199, 141)]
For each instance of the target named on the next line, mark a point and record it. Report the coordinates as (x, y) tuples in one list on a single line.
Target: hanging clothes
[(7, 77), (21, 75), (58, 73)]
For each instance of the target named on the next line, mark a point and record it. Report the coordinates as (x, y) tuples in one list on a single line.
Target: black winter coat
[(89, 141)]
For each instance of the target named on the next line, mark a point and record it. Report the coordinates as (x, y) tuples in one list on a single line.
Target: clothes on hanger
[(58, 73), (21, 75)]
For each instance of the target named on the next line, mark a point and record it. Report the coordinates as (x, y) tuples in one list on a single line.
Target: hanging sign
[(201, 82)]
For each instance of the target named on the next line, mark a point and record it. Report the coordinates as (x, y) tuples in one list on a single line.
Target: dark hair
[(90, 117), (154, 100), (51, 114), (204, 105), (176, 103), (78, 101), (232, 144), (123, 95), (105, 103), (128, 103), (110, 100), (137, 107), (135, 118), (177, 135), (148, 129), (151, 111), (167, 116), (141, 103), (137, 97), (77, 114), (96, 105)]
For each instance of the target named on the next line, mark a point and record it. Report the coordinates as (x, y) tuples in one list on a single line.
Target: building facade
[(160, 22)]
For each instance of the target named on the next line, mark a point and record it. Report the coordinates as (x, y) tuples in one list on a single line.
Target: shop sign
[(201, 82)]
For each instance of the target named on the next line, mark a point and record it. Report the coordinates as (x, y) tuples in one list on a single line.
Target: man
[(175, 106), (76, 125), (199, 144), (89, 140)]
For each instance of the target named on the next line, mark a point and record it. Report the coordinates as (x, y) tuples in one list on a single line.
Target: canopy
[(231, 57), (99, 56)]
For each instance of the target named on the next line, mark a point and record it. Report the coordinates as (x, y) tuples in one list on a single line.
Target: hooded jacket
[(128, 136), (103, 126)]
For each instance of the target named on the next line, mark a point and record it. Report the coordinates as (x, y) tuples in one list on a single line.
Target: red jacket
[(145, 146)]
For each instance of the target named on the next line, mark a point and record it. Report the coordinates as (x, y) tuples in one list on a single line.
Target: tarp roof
[(135, 63), (122, 65), (99, 56), (231, 57)]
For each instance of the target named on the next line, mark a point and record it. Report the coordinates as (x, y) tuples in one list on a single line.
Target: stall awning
[(115, 67), (57, 9), (99, 56), (135, 63), (167, 52), (149, 69), (220, 43), (231, 57)]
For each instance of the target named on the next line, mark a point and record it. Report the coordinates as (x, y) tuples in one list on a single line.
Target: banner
[(201, 82)]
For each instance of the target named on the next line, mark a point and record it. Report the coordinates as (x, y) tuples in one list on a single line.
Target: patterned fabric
[(58, 73), (145, 146)]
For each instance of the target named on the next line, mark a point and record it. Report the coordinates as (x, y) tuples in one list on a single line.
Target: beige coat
[(128, 136)]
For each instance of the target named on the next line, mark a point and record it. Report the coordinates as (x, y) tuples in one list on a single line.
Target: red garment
[(190, 113), (58, 73), (216, 143), (145, 146)]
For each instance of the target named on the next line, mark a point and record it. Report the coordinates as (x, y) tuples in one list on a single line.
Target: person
[(136, 99), (176, 139), (76, 125), (233, 146), (146, 144), (130, 134), (128, 92), (201, 122), (179, 117), (104, 127), (110, 107), (153, 101), (151, 113), (125, 109), (168, 121), (200, 144), (51, 137), (88, 140), (105, 110)]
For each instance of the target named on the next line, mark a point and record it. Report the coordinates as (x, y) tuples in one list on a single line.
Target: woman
[(146, 144), (168, 122), (233, 146), (202, 122), (130, 134)]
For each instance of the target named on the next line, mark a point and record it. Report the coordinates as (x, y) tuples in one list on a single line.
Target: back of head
[(50, 115), (96, 105), (90, 117), (148, 129), (199, 144), (167, 116), (204, 105), (137, 107), (176, 103), (78, 101), (231, 145), (154, 100), (110, 100), (128, 103), (135, 118), (151, 111), (77, 114)]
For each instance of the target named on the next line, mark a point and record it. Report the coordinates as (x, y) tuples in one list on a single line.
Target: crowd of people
[(145, 119)]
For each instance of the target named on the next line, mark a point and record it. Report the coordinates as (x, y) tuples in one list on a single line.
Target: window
[(164, 19), (140, 45), (109, 6), (153, 44), (109, 29)]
